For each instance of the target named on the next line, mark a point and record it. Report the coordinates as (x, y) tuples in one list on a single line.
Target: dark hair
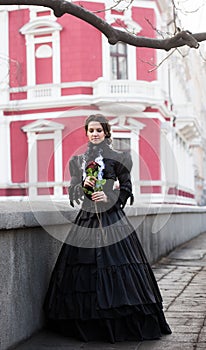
[(104, 123)]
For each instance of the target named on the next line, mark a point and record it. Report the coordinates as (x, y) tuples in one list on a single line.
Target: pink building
[(57, 71)]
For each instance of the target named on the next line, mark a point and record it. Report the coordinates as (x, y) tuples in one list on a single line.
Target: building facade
[(55, 72)]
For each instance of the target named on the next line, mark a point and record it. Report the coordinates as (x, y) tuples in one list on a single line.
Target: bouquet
[(93, 169)]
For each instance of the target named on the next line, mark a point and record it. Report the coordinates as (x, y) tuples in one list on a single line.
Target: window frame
[(116, 55), (42, 31)]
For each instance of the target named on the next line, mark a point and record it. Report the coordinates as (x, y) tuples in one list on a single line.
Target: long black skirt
[(102, 286)]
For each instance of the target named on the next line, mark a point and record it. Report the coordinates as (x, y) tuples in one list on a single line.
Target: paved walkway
[(182, 279)]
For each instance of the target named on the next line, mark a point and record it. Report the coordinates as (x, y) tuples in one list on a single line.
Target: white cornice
[(13, 7), (36, 25), (42, 126)]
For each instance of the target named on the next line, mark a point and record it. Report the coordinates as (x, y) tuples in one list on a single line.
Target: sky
[(192, 14)]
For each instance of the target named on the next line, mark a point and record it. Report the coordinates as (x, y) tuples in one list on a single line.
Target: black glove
[(75, 194)]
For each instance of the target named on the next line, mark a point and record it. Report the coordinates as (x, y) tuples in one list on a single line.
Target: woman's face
[(95, 132)]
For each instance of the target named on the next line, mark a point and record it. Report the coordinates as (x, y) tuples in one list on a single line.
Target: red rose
[(93, 166)]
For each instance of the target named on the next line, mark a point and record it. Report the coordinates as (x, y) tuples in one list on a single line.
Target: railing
[(42, 92), (139, 89), (152, 191), (47, 91)]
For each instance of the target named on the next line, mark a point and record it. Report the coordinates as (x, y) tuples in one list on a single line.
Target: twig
[(99, 219)]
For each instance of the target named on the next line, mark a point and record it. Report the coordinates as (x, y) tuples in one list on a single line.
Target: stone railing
[(140, 90), (31, 236)]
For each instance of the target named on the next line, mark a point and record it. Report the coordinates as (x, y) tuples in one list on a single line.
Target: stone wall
[(31, 235)]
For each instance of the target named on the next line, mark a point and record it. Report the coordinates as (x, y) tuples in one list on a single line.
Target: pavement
[(181, 277)]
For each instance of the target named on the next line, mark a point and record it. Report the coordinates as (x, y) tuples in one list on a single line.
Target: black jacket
[(117, 167)]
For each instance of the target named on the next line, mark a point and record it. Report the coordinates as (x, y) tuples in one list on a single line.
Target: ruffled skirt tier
[(103, 288)]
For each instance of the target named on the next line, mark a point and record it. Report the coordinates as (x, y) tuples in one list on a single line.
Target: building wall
[(59, 73)]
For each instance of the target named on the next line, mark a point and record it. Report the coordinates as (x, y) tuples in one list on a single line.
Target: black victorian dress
[(102, 286)]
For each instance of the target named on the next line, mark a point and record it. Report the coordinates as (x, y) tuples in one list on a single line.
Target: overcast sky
[(193, 14)]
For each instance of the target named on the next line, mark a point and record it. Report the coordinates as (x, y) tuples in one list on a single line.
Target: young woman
[(102, 286)]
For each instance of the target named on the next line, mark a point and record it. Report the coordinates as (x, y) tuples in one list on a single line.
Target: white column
[(5, 154), (56, 62), (163, 159), (132, 71), (135, 174), (30, 63), (106, 69), (32, 164), (135, 127), (183, 165), (4, 58), (176, 164), (58, 190), (56, 57)]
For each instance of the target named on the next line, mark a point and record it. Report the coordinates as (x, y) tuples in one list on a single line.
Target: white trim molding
[(123, 14), (126, 97), (40, 26), (4, 57), (123, 127), (44, 130), (106, 60), (35, 28), (5, 154)]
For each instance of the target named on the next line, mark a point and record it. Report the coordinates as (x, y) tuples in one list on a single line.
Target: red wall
[(149, 149), (43, 68), (45, 158), (19, 152), (17, 48), (145, 56), (81, 48), (74, 142)]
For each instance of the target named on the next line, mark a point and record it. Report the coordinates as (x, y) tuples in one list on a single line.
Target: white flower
[(99, 160), (83, 167)]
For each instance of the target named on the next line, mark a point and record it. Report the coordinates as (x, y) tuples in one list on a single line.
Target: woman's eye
[(92, 130)]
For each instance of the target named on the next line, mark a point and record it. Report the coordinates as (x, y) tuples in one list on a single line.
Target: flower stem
[(99, 219)]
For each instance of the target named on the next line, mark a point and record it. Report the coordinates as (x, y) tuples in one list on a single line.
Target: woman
[(102, 287)]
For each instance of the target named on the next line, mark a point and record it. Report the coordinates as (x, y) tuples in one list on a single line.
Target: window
[(45, 157), (121, 144), (42, 37), (118, 55)]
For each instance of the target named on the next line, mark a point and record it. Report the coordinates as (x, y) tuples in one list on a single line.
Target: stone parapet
[(31, 235)]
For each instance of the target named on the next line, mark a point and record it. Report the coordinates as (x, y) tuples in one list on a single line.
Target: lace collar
[(95, 153)]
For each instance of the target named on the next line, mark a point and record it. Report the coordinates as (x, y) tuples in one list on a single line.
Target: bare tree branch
[(156, 66), (61, 7), (116, 3), (186, 12)]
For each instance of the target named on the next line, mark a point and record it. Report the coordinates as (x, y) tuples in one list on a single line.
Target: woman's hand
[(99, 196), (90, 181)]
